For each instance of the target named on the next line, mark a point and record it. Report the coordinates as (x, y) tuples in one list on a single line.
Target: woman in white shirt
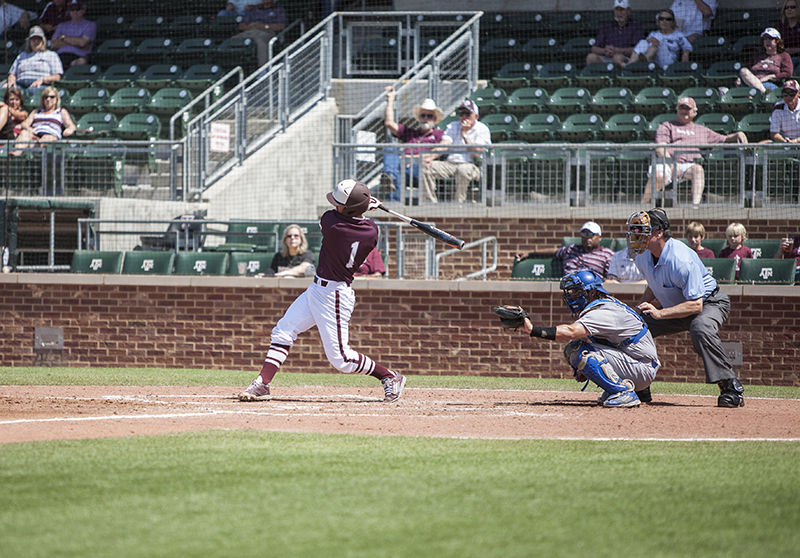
[(36, 66)]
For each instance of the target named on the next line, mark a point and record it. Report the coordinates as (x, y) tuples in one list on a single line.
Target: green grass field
[(243, 493)]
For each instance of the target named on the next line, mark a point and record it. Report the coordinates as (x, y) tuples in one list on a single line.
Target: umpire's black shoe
[(731, 393), (644, 395)]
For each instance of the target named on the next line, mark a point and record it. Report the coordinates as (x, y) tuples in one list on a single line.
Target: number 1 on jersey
[(353, 250)]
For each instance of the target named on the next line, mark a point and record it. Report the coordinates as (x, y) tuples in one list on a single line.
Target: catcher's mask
[(577, 284)]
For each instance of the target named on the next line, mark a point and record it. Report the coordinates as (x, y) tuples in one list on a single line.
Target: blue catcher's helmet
[(577, 284)]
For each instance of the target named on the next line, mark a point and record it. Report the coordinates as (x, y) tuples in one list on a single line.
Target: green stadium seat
[(656, 121), (95, 125), (247, 236), (610, 101), (144, 26), (201, 263), (745, 47), (237, 51), (680, 75), (721, 123), (769, 100), (568, 100), (739, 101), (579, 128), (597, 75), (755, 126), (651, 101), (707, 49), (721, 73), (540, 49), (536, 269), (113, 51), (503, 127), (554, 75), (250, 263), (222, 27), (706, 98), (721, 269), (763, 247), (767, 271), (88, 99), (109, 26), (148, 262), (496, 52), (200, 77), (193, 51), (574, 50), (714, 244), (79, 77), (489, 100), (636, 76), (118, 76), (159, 76), (623, 128), (525, 101), (186, 26), (128, 100), (514, 75), (96, 261), (139, 126), (168, 101), (155, 50), (539, 128)]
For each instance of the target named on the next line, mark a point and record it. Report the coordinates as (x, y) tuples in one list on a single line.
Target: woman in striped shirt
[(50, 122)]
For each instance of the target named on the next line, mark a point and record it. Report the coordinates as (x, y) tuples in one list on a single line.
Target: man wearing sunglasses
[(459, 163), (426, 116), (784, 122)]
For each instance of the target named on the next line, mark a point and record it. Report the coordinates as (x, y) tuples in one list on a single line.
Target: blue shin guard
[(585, 360)]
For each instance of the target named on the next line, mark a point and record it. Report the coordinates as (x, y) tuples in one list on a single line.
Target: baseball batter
[(347, 238), (609, 343)]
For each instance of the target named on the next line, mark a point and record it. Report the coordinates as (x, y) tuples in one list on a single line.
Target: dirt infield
[(30, 413)]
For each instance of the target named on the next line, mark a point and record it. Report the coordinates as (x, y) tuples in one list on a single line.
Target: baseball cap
[(36, 31), (688, 101), (469, 105), (352, 194), (771, 32), (622, 4), (791, 85), (76, 4), (592, 227)]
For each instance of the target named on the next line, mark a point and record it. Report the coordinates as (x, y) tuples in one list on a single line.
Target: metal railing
[(485, 267), (590, 174)]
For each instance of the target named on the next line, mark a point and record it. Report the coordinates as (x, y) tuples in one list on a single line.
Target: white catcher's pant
[(329, 308)]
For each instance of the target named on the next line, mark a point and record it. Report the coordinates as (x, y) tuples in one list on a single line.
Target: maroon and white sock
[(276, 355)]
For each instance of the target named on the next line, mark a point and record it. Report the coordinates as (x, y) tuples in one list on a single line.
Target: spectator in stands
[(373, 267), (790, 248), (35, 67), (768, 69), (262, 21), (50, 122), (695, 235), (461, 164), (426, 115), (666, 46), (683, 130), (234, 8), (694, 17), (784, 122), (12, 15), (74, 40), (616, 38), (589, 254), (54, 12), (735, 235), (789, 27), (622, 269), (12, 114), (294, 258)]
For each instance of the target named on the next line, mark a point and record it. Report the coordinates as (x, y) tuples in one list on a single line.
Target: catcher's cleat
[(603, 396), (644, 395), (731, 394), (256, 391), (393, 387), (622, 399)]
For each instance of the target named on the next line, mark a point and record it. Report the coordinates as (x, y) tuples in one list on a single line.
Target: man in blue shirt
[(682, 295)]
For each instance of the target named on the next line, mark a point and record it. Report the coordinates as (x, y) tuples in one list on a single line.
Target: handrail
[(482, 242), (203, 97)]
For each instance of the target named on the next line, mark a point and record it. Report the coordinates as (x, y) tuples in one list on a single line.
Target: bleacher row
[(761, 269), (150, 262)]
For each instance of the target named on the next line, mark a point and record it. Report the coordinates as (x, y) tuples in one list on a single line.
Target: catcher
[(609, 343)]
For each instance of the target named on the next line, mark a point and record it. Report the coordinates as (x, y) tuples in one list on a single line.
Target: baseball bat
[(445, 237)]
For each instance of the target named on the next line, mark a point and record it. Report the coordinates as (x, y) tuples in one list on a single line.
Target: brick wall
[(442, 327)]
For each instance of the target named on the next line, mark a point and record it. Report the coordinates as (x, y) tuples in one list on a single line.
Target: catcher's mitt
[(511, 317)]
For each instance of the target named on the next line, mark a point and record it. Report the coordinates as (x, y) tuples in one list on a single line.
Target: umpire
[(682, 295)]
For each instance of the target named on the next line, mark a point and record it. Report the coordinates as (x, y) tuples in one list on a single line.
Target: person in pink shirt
[(682, 165), (735, 235), (695, 234), (771, 67)]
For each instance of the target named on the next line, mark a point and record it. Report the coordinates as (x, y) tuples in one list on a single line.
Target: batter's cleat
[(731, 393), (622, 399), (644, 395), (393, 387), (256, 391)]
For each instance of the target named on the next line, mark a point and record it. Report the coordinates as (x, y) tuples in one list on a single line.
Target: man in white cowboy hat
[(460, 164), (427, 115)]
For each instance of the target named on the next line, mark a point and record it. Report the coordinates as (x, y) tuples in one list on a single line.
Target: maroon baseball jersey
[(346, 241)]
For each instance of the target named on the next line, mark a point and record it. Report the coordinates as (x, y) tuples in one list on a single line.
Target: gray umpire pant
[(704, 331)]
